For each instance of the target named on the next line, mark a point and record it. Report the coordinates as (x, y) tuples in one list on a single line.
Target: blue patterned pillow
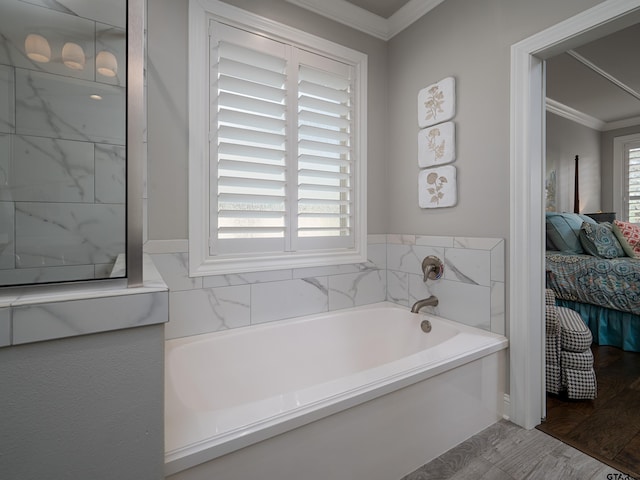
[(599, 241), (563, 231)]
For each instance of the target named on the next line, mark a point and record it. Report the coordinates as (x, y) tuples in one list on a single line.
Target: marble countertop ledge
[(31, 315), (17, 296)]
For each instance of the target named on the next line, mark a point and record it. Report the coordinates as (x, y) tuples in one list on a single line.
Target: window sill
[(216, 266)]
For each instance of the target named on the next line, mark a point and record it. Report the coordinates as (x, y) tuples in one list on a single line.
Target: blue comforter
[(610, 283)]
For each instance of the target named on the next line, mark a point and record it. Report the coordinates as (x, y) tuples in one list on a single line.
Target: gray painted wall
[(88, 407), (91, 407), (607, 163), (167, 108), (565, 140), (470, 40)]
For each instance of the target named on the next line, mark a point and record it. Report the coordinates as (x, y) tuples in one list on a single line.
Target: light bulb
[(106, 64), (73, 56), (37, 48)]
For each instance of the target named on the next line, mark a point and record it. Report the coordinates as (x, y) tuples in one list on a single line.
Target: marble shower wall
[(62, 151), (471, 290)]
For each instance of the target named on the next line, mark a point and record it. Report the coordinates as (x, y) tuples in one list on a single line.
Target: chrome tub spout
[(432, 301)]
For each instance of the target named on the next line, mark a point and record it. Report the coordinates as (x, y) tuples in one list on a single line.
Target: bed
[(590, 271)]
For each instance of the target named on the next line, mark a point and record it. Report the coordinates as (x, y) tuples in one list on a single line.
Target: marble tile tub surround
[(33, 315), (62, 154), (471, 290)]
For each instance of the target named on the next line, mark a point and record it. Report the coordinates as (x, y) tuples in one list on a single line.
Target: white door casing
[(526, 299)]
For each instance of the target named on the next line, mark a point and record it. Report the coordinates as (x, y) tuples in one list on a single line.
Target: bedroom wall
[(565, 140), (607, 163)]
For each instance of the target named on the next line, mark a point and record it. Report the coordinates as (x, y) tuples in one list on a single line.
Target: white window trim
[(619, 157), (201, 263)]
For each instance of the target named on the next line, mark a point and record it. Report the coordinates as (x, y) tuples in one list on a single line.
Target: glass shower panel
[(63, 71)]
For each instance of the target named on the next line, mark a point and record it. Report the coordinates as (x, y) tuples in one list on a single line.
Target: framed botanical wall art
[(550, 191), (437, 145), (437, 102), (437, 187)]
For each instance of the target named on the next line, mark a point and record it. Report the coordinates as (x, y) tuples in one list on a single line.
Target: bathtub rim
[(174, 342), (195, 453)]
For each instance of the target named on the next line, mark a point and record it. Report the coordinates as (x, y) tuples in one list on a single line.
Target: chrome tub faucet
[(431, 301)]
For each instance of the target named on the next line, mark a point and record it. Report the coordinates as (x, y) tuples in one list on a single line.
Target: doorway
[(526, 301)]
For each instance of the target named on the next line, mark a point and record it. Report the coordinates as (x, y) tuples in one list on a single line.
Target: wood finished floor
[(607, 428), (504, 451)]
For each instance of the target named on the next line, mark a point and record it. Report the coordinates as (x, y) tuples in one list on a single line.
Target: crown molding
[(355, 17), (594, 123), (627, 122), (347, 14), (409, 13), (574, 115), (606, 75)]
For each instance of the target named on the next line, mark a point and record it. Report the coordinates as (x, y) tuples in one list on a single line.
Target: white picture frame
[(437, 187), (437, 145), (437, 102)]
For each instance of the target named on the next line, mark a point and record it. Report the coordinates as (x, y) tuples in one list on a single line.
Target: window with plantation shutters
[(632, 182), (626, 177), (282, 173)]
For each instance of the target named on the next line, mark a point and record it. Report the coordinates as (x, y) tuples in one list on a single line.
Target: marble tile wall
[(46, 321), (62, 154), (471, 290), (33, 315)]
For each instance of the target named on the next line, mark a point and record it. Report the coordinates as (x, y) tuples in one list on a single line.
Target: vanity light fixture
[(73, 56), (37, 48), (106, 64)]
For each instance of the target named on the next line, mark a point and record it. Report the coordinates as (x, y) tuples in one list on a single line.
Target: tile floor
[(505, 451)]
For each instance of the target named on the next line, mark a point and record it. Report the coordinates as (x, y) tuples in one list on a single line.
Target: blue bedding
[(609, 327), (609, 283)]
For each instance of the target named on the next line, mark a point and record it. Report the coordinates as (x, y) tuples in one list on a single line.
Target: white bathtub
[(383, 396)]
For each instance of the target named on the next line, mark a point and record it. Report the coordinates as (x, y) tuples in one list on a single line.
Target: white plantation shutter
[(248, 148), (281, 153), (325, 161), (633, 183)]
